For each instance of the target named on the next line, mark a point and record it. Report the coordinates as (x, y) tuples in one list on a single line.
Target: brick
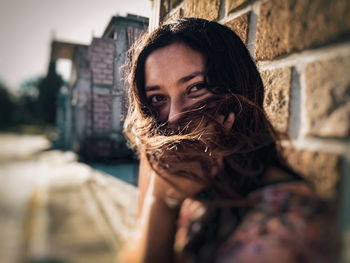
[(277, 97), (109, 47), (97, 49), (174, 16), (107, 71), (109, 53), (166, 7), (101, 75), (208, 9), (320, 168), (102, 107), (240, 26), (328, 97), (285, 26), (233, 4), (96, 59), (108, 60), (100, 65), (96, 70), (105, 56)]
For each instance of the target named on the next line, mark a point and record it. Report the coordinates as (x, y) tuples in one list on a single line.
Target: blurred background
[(33, 68), (67, 178), (59, 73)]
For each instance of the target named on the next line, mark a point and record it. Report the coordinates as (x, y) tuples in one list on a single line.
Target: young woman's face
[(175, 80)]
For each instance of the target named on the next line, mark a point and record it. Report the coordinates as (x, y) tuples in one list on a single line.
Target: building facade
[(92, 107)]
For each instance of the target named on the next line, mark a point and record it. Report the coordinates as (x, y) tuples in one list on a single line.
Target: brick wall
[(302, 50), (102, 114), (101, 54)]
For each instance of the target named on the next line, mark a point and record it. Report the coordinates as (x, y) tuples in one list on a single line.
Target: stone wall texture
[(302, 50), (328, 91), (204, 9), (240, 26), (277, 84), (289, 25)]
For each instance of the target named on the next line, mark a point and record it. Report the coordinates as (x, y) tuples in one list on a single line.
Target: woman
[(212, 186)]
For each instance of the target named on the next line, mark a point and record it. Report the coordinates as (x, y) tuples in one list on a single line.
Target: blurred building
[(92, 107)]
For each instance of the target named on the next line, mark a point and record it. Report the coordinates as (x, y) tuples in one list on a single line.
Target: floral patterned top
[(284, 222)]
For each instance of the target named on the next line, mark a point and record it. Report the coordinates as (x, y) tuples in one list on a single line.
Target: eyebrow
[(181, 80), (190, 76), (152, 88)]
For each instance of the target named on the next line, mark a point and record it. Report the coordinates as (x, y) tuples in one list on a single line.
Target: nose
[(176, 109)]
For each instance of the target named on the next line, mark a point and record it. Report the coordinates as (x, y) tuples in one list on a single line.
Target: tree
[(7, 106), (48, 90), (38, 97), (28, 107)]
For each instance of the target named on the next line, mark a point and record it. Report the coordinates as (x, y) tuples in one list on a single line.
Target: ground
[(55, 209)]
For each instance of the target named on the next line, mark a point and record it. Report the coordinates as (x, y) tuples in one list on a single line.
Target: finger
[(211, 126), (220, 119), (229, 122), (217, 167)]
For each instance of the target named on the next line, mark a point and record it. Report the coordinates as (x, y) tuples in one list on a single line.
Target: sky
[(28, 26)]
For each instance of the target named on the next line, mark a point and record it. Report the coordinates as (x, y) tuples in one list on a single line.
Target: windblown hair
[(249, 148)]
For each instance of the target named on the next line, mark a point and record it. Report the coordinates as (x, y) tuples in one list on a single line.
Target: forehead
[(169, 63)]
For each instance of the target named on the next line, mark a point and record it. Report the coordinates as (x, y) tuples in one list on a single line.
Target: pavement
[(55, 209)]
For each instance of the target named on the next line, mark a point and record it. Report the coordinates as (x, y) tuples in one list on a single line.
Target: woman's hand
[(160, 199)]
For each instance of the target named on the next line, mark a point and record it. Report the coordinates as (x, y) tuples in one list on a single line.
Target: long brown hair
[(231, 74)]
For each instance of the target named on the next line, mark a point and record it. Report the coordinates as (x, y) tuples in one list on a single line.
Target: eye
[(197, 87), (155, 99)]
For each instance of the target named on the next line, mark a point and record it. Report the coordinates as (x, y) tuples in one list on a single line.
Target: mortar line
[(304, 125), (173, 11), (222, 9), (252, 28), (235, 14), (325, 145), (307, 56), (294, 122)]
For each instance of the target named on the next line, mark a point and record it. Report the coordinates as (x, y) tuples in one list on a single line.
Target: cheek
[(191, 101), (163, 113)]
